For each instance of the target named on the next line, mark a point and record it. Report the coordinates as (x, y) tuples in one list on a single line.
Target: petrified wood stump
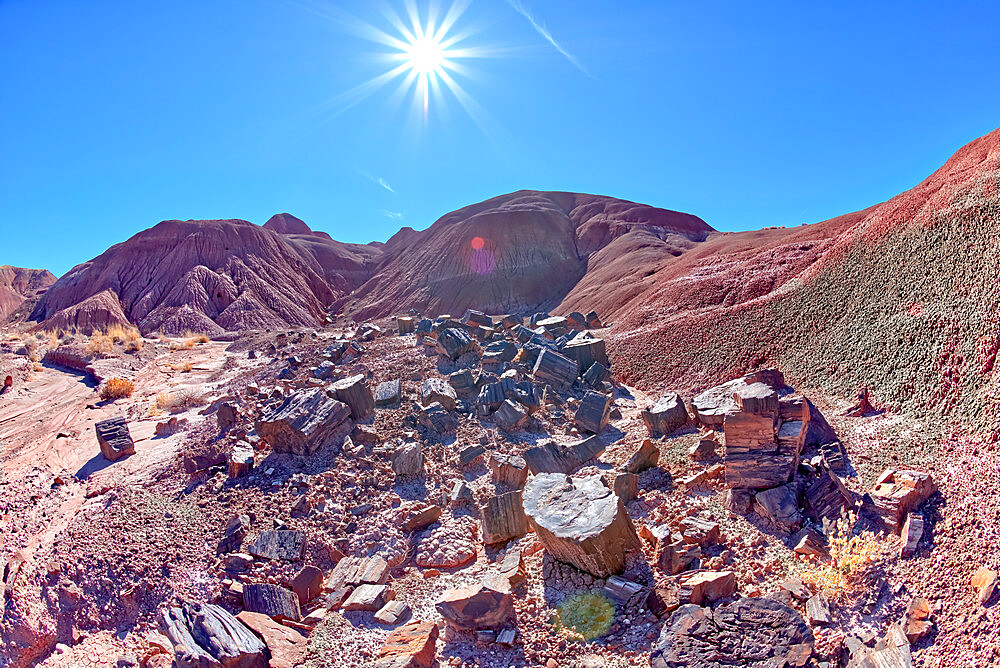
[(580, 521), (354, 392)]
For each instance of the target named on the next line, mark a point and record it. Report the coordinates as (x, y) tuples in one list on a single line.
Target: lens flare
[(477, 243)]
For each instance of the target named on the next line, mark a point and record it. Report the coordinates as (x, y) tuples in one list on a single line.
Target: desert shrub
[(183, 367), (853, 558), (584, 616), (100, 343), (117, 388), (179, 401), (193, 338)]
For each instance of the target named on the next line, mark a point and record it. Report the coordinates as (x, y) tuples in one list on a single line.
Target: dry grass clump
[(852, 560), (117, 388), (100, 343), (177, 402), (185, 367), (192, 338), (584, 616)]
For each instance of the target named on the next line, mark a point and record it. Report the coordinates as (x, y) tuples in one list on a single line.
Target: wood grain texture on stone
[(439, 390), (114, 439), (503, 518), (755, 632), (593, 413), (354, 392), (272, 600), (283, 544), (552, 457), (554, 369), (580, 521), (898, 492), (205, 635), (304, 422), (666, 415)]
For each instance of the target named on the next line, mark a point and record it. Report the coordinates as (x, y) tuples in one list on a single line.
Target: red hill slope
[(208, 276), (517, 252), (903, 296), (18, 285)]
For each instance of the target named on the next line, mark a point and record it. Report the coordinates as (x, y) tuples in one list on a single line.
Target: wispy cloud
[(540, 28), (377, 180), (395, 215)]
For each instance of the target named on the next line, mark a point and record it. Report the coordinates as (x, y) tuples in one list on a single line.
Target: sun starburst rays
[(422, 53)]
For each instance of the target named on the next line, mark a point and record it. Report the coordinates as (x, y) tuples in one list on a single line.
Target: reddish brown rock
[(288, 648), (307, 583), (485, 605), (410, 646), (898, 492)]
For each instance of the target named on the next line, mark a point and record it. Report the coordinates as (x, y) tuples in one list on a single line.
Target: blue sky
[(116, 115)]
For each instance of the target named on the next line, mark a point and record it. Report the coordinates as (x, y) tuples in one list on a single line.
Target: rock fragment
[(593, 413), (203, 634), (485, 605)]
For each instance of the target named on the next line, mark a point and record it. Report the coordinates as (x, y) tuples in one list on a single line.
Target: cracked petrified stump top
[(580, 521)]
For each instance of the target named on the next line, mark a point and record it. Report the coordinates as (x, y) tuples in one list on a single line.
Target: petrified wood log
[(240, 459), (898, 492), (272, 600), (114, 439), (754, 632), (452, 342), (554, 369), (585, 352), (509, 471), (405, 324), (304, 422), (580, 521), (439, 390), (279, 544), (503, 518), (354, 392), (552, 457), (207, 636), (510, 415), (593, 413), (666, 415)]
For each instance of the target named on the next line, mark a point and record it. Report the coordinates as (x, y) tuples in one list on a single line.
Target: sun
[(426, 55)]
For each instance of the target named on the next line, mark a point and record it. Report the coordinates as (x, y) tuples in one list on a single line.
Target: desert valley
[(551, 429)]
